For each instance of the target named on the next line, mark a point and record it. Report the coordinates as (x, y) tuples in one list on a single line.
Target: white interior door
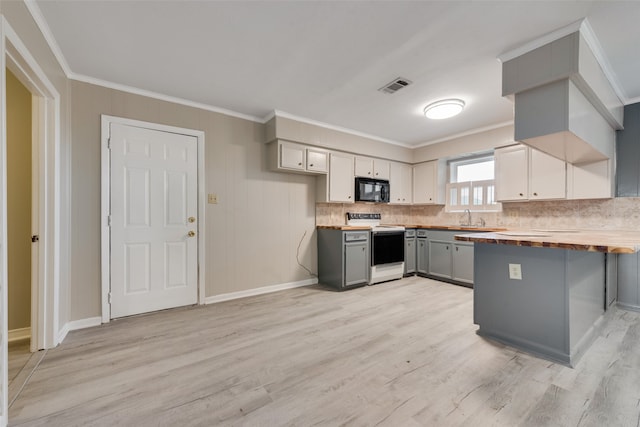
[(153, 220)]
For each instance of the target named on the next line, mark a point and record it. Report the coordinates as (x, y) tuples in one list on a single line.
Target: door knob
[(191, 233), (192, 219)]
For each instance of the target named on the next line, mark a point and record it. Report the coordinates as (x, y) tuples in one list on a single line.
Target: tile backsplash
[(618, 213)]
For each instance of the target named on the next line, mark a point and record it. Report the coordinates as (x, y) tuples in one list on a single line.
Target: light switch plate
[(213, 199), (515, 271)]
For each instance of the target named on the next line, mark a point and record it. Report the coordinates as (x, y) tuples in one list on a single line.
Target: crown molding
[(37, 16), (594, 44), (632, 101), (466, 133), (278, 113), (162, 97), (40, 21), (540, 41)]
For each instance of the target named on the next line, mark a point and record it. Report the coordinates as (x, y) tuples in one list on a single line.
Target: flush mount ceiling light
[(444, 109)]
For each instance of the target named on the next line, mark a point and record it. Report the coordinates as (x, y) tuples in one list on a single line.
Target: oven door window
[(387, 248)]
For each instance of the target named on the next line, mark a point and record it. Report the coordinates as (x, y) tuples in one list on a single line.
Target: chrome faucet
[(468, 222)]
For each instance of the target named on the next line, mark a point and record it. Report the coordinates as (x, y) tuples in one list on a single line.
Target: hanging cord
[(298, 256)]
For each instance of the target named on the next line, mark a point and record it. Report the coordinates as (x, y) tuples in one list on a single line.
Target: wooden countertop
[(432, 227), (344, 227), (456, 227), (608, 241)]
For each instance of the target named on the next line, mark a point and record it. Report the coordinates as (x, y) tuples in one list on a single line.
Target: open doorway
[(45, 137), (20, 203)]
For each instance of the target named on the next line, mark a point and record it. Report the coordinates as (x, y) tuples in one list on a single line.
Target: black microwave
[(372, 190)]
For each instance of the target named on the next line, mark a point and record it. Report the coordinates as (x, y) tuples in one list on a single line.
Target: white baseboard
[(19, 334), (73, 325), (259, 291), (62, 333)]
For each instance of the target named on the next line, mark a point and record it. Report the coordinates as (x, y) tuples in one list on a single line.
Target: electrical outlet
[(515, 271), (213, 199)]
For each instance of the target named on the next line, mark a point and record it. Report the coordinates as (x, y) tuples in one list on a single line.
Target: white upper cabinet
[(341, 178), (400, 181), (590, 181), (429, 181), (317, 160), (512, 173), (290, 157), (371, 168), (524, 173), (547, 176)]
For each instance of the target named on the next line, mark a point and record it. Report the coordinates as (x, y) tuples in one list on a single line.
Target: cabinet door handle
[(447, 248), (521, 194), (311, 165), (535, 194), (456, 249), (300, 164)]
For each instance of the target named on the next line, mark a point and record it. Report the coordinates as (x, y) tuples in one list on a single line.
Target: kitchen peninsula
[(545, 291)]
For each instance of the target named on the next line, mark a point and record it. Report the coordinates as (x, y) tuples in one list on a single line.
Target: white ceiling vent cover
[(395, 85)]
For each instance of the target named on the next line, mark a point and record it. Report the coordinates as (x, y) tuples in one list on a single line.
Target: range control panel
[(366, 216)]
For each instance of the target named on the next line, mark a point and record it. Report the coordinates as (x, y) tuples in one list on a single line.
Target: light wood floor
[(19, 355), (402, 353)]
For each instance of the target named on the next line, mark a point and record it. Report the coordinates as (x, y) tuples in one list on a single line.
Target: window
[(471, 184)]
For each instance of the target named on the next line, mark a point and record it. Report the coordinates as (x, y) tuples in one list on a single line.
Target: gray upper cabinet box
[(628, 154)]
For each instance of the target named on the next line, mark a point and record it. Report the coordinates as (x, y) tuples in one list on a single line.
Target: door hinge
[(109, 298), (108, 220), (35, 238), (109, 143)]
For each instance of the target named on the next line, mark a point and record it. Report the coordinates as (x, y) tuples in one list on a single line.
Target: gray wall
[(628, 154)]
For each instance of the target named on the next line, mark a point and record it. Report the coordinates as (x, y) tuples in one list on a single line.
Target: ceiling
[(324, 61)]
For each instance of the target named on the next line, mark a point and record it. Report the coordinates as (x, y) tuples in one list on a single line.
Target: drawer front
[(422, 233), (356, 236), (409, 233)]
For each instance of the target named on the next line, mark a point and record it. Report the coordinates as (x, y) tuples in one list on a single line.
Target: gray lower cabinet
[(440, 258), (343, 258), (462, 262), (444, 258), (409, 252), (422, 253), (356, 268)]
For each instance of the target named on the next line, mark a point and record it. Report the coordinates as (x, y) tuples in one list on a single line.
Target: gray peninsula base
[(552, 311)]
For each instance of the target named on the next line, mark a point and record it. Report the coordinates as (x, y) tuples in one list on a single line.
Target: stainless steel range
[(387, 247)]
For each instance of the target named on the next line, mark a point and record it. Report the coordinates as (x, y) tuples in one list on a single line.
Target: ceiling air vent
[(395, 85)]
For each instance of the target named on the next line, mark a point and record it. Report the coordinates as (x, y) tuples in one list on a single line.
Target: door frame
[(45, 283), (46, 143), (105, 180)]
